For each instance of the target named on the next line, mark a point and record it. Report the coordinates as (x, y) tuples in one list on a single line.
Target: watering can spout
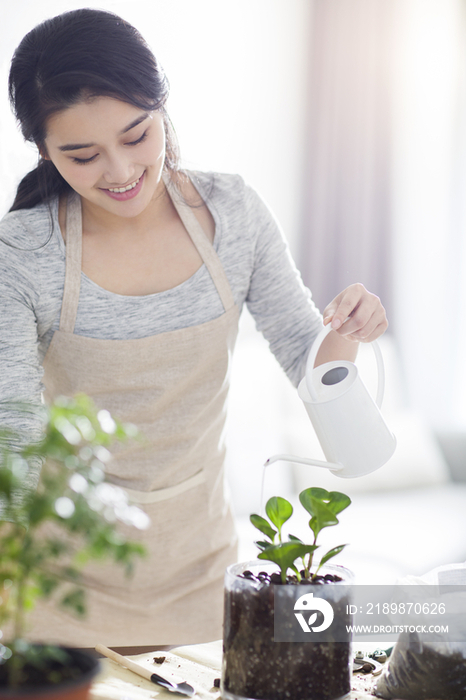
[(334, 467)]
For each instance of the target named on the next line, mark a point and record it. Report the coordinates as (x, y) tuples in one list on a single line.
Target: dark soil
[(417, 672), (264, 576), (255, 666), (159, 659)]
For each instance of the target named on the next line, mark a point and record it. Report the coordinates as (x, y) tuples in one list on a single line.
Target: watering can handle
[(312, 358)]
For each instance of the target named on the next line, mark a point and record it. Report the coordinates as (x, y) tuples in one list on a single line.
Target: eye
[(83, 161), (139, 140)]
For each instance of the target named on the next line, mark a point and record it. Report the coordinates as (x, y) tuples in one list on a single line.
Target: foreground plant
[(323, 506), (80, 511)]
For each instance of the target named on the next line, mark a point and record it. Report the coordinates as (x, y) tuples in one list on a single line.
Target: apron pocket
[(146, 497)]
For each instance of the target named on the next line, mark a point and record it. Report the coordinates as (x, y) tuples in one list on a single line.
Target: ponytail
[(39, 185)]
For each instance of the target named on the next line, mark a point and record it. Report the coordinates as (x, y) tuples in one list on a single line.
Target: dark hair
[(66, 59)]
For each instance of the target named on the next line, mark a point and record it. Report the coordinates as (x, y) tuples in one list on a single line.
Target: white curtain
[(386, 180), (347, 215)]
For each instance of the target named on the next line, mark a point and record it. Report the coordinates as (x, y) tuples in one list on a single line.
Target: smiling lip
[(126, 194)]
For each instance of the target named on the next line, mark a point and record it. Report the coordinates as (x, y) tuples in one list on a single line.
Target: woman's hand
[(356, 315)]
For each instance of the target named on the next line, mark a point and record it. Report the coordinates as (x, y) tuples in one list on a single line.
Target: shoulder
[(26, 228), (25, 237), (231, 195), (216, 184)]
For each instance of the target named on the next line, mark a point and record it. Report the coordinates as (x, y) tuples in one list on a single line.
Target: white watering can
[(351, 430)]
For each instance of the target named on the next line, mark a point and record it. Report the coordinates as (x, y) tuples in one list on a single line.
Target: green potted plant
[(271, 647), (47, 534)]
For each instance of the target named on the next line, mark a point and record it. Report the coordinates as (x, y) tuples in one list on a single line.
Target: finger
[(347, 304), (377, 331), (364, 318), (330, 309), (364, 331)]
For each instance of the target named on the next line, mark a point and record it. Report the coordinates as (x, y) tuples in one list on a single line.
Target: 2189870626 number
[(406, 608)]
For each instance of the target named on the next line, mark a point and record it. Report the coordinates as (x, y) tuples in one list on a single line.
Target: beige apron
[(173, 386)]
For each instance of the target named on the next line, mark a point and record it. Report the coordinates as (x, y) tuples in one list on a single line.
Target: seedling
[(323, 506)]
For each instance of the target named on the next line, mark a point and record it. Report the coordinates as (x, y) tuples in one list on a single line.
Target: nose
[(119, 170)]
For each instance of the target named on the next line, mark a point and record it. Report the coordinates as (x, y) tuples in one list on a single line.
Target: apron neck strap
[(73, 233), (202, 244)]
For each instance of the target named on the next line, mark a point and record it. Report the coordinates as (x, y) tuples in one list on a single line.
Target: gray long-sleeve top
[(252, 250)]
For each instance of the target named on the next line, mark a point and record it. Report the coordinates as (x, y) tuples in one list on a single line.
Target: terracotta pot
[(77, 689), (255, 666)]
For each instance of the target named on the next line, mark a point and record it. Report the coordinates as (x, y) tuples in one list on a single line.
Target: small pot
[(76, 689), (255, 667)]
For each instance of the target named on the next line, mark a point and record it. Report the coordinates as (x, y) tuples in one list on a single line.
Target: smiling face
[(110, 152)]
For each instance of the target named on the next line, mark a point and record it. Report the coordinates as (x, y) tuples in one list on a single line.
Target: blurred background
[(349, 118)]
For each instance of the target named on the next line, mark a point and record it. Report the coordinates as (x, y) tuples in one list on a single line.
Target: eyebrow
[(77, 146)]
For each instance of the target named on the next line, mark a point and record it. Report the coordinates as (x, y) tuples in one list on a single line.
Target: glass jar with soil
[(255, 665)]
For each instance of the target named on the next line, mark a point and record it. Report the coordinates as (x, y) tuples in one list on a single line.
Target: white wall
[(238, 86)]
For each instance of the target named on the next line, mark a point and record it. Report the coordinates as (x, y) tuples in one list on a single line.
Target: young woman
[(123, 277)]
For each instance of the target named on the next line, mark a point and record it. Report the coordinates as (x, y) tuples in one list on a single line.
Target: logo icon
[(308, 604)]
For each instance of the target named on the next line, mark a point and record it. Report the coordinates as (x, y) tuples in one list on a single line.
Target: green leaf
[(284, 555), (278, 510), (324, 515), (293, 538), (338, 501), (323, 507), (310, 496), (261, 544), (75, 601), (46, 583), (335, 500), (262, 525), (323, 518), (330, 554)]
